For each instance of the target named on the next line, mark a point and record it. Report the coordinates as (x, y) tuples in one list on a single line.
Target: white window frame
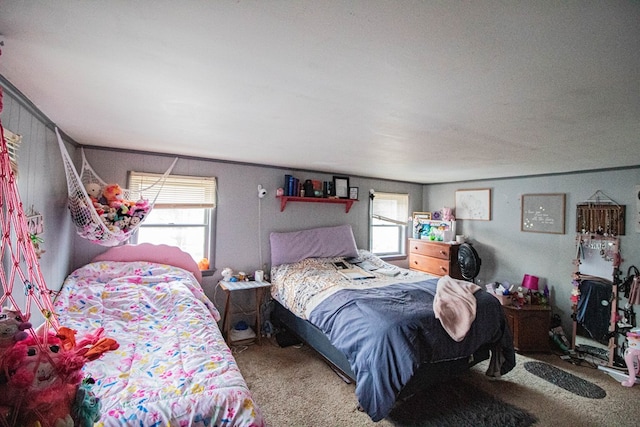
[(400, 222), (181, 192)]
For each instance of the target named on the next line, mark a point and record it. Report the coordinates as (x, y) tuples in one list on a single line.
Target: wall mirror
[(595, 296)]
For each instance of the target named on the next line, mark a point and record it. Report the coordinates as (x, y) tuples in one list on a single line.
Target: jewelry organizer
[(600, 215)]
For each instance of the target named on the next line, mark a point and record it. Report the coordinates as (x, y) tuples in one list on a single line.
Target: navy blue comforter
[(386, 333)]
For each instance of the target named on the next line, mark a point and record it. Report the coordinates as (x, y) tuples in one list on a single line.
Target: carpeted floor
[(294, 387)]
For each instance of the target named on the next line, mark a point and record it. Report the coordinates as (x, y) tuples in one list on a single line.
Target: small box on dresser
[(437, 258)]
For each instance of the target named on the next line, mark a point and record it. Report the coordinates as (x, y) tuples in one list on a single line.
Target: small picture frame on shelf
[(353, 193), (341, 187)]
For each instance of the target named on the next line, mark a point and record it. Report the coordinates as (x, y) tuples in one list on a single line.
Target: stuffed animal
[(12, 329), (227, 273), (43, 376), (93, 191), (112, 196), (447, 214), (86, 408)]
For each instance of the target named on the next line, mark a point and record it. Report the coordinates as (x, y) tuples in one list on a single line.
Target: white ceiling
[(419, 91)]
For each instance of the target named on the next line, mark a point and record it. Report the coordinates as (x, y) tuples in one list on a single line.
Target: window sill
[(397, 257), (206, 273)]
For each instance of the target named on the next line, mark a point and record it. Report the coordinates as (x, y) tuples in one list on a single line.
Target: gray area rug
[(565, 380), (458, 403)]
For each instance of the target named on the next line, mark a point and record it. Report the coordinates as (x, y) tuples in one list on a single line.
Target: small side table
[(529, 326), (228, 288)]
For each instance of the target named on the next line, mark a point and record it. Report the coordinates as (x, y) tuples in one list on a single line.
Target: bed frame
[(162, 254), (427, 375)]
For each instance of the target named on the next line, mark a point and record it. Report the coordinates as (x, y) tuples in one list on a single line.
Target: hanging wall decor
[(473, 204), (543, 213), (600, 215)]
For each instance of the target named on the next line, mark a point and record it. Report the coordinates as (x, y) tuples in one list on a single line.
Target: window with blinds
[(183, 213), (388, 224), (178, 192)]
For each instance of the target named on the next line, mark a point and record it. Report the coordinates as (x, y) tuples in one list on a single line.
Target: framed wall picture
[(543, 213), (353, 193), (473, 204), (341, 187)]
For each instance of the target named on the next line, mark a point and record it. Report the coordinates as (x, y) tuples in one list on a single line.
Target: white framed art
[(473, 204)]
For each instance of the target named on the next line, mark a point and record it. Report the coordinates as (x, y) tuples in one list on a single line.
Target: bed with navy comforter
[(386, 326)]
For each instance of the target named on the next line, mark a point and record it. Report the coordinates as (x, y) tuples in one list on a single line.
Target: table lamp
[(530, 283)]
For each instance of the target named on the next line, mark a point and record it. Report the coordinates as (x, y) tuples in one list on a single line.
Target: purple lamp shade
[(530, 282)]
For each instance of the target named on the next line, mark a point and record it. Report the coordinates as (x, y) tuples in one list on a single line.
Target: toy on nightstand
[(227, 274)]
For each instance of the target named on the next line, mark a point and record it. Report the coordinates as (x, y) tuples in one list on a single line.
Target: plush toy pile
[(118, 214), (41, 381)]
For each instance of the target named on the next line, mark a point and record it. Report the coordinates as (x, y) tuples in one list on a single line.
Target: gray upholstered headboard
[(312, 243)]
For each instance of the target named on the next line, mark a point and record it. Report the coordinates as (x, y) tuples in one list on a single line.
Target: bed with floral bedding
[(172, 366)]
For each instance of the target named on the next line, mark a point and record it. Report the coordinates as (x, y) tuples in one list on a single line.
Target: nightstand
[(529, 326), (228, 288)]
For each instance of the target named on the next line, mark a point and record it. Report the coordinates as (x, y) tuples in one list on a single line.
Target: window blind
[(391, 207), (178, 192)]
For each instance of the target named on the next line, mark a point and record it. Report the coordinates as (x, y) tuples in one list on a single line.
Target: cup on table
[(258, 276)]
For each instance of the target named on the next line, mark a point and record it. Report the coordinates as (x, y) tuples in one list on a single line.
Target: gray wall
[(243, 221), (508, 253), (41, 184)]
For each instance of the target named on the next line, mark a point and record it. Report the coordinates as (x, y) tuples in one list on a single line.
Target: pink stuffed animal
[(12, 329), (112, 196), (42, 379)]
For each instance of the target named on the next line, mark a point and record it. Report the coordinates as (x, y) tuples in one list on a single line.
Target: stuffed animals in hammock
[(117, 213)]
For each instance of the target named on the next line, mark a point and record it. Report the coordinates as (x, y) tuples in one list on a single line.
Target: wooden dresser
[(437, 258)]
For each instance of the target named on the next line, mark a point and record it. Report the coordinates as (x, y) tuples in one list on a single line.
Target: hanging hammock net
[(103, 213), (41, 375)]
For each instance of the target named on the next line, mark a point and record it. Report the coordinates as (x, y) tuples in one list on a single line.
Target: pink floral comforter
[(173, 366)]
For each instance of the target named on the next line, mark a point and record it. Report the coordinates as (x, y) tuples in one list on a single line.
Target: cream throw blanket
[(455, 306)]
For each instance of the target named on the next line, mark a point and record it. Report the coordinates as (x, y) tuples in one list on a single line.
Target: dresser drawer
[(437, 266), (430, 249)]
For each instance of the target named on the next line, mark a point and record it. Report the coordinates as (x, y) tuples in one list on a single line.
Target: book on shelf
[(286, 188), (292, 186)]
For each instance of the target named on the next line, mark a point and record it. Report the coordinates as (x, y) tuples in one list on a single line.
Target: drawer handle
[(443, 253), (415, 262), (443, 269)]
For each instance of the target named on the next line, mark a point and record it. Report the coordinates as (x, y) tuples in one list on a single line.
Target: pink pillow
[(320, 242)]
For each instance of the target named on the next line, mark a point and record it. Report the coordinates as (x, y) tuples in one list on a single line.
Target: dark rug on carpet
[(460, 404), (565, 380)]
